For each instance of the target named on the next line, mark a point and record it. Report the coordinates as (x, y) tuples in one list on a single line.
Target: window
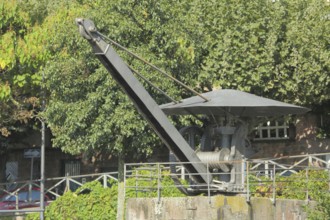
[(72, 168), (272, 130)]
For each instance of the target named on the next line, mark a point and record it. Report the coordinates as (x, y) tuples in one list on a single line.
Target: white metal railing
[(291, 164), (260, 169), (265, 173), (54, 187)]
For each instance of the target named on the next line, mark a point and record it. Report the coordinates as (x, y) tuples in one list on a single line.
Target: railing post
[(67, 182), (158, 182), (182, 172), (243, 172), (208, 183), (30, 191), (307, 193), (16, 197), (136, 183), (105, 181), (266, 169), (274, 185), (125, 170), (247, 182), (121, 192)]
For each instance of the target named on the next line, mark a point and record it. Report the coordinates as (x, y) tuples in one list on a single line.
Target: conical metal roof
[(234, 102)]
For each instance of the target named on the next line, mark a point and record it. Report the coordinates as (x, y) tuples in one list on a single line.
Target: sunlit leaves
[(262, 47), (7, 54), (4, 91), (88, 111), (21, 55), (275, 49)]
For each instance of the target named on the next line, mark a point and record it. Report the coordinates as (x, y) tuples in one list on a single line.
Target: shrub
[(295, 186), (146, 182), (315, 181), (101, 203), (322, 209)]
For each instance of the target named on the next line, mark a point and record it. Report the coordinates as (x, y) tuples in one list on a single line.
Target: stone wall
[(216, 207)]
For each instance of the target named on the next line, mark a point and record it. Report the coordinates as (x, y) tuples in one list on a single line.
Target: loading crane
[(143, 101), (222, 141)]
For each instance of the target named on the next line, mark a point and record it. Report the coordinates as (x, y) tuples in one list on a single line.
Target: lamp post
[(42, 154)]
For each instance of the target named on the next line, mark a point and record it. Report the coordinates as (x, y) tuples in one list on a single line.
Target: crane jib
[(143, 101)]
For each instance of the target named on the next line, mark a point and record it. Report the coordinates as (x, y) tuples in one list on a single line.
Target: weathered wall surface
[(217, 207), (304, 141)]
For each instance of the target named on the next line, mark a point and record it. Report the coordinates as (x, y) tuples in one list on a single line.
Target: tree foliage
[(279, 50), (275, 49), (97, 114), (21, 59)]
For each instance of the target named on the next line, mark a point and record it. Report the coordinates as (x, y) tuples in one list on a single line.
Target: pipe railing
[(260, 177), (54, 187), (255, 174)]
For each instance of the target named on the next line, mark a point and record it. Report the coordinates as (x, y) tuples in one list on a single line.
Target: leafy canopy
[(275, 49), (22, 56)]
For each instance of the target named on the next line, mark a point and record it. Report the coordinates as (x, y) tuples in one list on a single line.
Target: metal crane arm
[(144, 103)]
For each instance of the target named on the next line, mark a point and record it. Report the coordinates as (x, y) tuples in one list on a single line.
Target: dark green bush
[(311, 183), (147, 182), (322, 210), (101, 203)]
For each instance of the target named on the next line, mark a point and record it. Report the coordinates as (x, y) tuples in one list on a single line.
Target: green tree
[(87, 111), (232, 44), (21, 58), (277, 49)]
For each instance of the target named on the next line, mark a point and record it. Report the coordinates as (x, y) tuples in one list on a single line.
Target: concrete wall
[(216, 207)]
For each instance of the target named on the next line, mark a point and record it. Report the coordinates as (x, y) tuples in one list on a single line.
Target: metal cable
[(154, 67), (154, 86), (163, 92)]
